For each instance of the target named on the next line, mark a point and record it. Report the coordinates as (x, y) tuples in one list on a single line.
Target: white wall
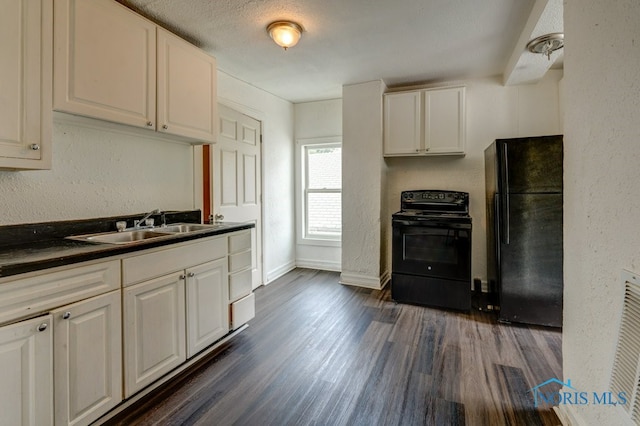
[(276, 116), (97, 171), (363, 183), (602, 200), (314, 120), (493, 111)]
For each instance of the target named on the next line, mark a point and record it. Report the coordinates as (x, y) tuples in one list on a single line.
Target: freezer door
[(530, 165), (530, 286)]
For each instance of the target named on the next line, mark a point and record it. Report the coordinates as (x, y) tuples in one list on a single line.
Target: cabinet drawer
[(242, 311), (157, 263), (239, 261), (30, 296), (239, 284), (240, 242)]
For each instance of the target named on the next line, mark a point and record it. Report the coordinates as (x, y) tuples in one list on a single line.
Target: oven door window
[(437, 252)]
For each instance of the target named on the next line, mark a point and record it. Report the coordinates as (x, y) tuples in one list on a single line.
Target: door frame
[(203, 169)]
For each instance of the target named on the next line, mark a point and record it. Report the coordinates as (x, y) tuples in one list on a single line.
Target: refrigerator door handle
[(504, 195)]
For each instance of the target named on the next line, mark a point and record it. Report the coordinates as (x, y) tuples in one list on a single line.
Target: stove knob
[(407, 195)]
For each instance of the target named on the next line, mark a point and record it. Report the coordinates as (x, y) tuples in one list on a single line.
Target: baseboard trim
[(366, 281), (274, 274), (568, 416), (322, 265)]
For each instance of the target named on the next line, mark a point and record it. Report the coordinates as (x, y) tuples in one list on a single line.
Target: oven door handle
[(431, 224)]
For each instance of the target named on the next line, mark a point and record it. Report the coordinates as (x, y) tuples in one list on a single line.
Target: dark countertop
[(34, 247)]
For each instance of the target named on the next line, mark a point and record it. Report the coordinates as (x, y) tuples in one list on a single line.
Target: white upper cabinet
[(187, 95), (26, 27), (425, 122), (402, 123), (104, 62), (112, 64)]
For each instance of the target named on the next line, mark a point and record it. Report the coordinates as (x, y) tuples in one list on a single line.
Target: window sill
[(319, 242)]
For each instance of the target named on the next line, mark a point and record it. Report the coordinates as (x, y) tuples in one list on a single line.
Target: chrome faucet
[(137, 224)]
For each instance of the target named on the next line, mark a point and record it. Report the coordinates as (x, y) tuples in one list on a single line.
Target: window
[(321, 173)]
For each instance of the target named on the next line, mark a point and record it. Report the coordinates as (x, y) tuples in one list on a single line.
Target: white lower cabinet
[(26, 390), (242, 311), (154, 330), (207, 296), (115, 327), (242, 300), (87, 359)]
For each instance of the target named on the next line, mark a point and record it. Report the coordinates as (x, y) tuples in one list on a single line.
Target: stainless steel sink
[(126, 237), (188, 227), (140, 235)]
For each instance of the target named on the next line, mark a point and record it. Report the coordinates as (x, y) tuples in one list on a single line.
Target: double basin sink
[(139, 235)]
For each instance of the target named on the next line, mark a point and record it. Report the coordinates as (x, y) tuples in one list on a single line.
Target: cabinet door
[(87, 359), (207, 305), (187, 97), (104, 62), (154, 330), (26, 28), (402, 123), (26, 385), (444, 118)]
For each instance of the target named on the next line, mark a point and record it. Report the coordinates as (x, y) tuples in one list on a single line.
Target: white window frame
[(301, 185)]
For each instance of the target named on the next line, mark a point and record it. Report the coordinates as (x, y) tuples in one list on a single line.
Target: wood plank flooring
[(320, 353)]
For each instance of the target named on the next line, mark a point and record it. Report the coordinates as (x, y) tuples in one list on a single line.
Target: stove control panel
[(435, 196)]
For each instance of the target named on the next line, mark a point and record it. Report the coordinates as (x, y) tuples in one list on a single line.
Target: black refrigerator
[(524, 228)]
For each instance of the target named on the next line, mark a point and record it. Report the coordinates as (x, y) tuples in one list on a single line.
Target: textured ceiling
[(348, 41)]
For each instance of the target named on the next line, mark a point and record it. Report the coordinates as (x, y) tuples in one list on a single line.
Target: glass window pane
[(324, 167), (324, 214)]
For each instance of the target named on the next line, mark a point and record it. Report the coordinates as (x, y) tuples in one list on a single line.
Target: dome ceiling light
[(545, 44), (285, 33)]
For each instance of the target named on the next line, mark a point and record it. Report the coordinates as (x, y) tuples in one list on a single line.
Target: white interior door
[(237, 178)]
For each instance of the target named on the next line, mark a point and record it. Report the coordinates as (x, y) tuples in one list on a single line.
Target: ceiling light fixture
[(545, 44), (285, 33)]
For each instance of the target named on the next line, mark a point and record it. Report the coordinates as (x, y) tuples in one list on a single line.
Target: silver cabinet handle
[(191, 274), (66, 315), (164, 126), (149, 124), (43, 326), (34, 147), (182, 277)]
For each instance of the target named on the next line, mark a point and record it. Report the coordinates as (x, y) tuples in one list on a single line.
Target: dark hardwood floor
[(320, 353)]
